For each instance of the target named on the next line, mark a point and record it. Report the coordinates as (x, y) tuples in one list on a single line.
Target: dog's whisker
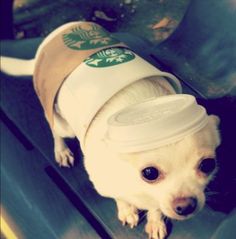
[(142, 215), (211, 193)]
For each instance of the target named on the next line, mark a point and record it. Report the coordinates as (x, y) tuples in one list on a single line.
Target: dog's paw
[(156, 230), (156, 227), (64, 157), (128, 214)]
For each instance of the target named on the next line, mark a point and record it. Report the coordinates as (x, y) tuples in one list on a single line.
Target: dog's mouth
[(182, 218), (172, 215)]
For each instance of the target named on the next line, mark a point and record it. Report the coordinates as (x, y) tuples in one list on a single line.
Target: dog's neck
[(137, 92)]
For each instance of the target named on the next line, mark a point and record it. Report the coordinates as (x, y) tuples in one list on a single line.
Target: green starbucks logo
[(110, 57), (88, 37)]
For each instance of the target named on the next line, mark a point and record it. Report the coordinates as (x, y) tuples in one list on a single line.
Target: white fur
[(17, 67), (128, 185), (118, 175)]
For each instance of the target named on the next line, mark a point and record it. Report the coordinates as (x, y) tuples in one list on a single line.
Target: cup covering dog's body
[(165, 181)]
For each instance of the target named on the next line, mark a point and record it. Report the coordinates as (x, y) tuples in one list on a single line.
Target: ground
[(152, 19)]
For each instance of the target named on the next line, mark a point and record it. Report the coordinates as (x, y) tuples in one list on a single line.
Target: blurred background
[(151, 19)]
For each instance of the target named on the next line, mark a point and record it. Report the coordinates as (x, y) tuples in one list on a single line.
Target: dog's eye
[(150, 174), (207, 166)]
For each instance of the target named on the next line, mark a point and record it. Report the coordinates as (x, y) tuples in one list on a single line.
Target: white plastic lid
[(154, 123)]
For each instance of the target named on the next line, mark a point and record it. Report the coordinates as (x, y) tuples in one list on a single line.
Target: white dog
[(167, 181)]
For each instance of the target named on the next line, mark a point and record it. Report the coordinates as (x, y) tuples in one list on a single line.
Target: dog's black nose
[(185, 205)]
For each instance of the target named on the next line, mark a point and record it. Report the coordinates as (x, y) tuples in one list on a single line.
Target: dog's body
[(181, 181)]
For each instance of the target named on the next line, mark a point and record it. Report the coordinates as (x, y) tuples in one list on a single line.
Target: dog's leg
[(155, 227), (63, 156), (127, 213)]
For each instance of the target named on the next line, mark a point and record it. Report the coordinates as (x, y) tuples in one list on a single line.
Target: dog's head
[(173, 178)]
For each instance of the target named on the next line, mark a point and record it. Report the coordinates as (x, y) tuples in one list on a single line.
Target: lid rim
[(140, 137), (124, 148)]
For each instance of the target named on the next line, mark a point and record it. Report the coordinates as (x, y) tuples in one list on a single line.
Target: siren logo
[(89, 36), (110, 57)]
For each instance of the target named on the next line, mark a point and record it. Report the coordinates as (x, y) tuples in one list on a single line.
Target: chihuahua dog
[(168, 181)]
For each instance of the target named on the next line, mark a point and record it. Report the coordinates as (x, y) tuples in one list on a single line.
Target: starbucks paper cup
[(99, 78), (155, 123), (80, 66)]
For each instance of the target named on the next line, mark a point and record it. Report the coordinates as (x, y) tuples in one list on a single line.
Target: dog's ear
[(215, 120)]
